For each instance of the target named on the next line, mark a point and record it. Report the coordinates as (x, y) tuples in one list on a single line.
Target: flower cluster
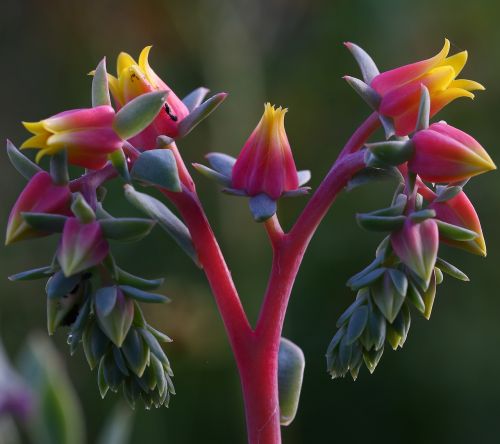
[(433, 162), (86, 290)]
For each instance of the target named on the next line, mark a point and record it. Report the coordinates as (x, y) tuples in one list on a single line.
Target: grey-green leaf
[(143, 296), (20, 162), (127, 229), (100, 87), (44, 222), (159, 168), (138, 114), (200, 113), (165, 218)]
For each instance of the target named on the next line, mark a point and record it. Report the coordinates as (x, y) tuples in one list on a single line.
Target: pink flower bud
[(40, 195), (400, 88), (82, 246), (460, 211), (265, 164), (86, 133), (134, 79), (416, 245), (446, 154)]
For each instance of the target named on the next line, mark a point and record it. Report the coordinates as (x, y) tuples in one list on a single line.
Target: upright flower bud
[(134, 79), (460, 211), (86, 133), (443, 153), (40, 195), (265, 164), (416, 245), (400, 88), (82, 246)]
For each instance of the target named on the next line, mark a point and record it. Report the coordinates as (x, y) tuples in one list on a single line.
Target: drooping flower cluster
[(86, 290), (407, 268)]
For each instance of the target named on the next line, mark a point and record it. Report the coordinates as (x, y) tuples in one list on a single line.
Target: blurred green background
[(443, 387)]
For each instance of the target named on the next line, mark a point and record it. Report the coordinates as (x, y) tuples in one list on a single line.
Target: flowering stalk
[(88, 291)]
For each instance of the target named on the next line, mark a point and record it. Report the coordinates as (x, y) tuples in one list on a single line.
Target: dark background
[(443, 387)]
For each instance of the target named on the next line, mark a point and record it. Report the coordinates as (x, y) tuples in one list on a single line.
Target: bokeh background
[(443, 387)]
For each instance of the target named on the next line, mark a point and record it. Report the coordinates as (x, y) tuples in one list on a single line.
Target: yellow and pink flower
[(266, 164), (136, 78), (443, 153), (40, 195), (87, 134), (400, 88)]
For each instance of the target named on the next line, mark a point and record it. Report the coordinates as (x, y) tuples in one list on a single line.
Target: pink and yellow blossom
[(266, 164), (136, 78), (443, 153), (400, 88), (87, 134), (40, 195)]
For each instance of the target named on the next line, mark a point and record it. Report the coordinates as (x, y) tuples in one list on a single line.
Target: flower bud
[(416, 245), (86, 133), (82, 246), (134, 79), (40, 195), (400, 88), (265, 164), (444, 153), (460, 211)]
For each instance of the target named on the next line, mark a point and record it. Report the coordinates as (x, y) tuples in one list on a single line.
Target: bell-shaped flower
[(82, 246), (265, 164), (400, 88), (40, 195), (460, 211), (416, 245), (87, 135), (137, 78), (443, 153)]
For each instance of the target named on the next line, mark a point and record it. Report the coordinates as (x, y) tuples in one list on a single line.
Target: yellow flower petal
[(438, 79), (47, 151), (123, 61), (468, 85), (457, 62), (37, 141), (34, 127), (143, 58), (114, 88)]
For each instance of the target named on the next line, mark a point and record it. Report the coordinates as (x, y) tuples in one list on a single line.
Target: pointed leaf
[(424, 109), (36, 273), (100, 88), (165, 218), (20, 162), (367, 93), (454, 232), (368, 67), (357, 324), (380, 223), (126, 278), (366, 279), (81, 209), (450, 269), (127, 229), (213, 175), (44, 222), (262, 207), (158, 168), (138, 114), (195, 98), (291, 363), (222, 163), (59, 285), (200, 113), (370, 174), (136, 353), (144, 296), (119, 162)]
